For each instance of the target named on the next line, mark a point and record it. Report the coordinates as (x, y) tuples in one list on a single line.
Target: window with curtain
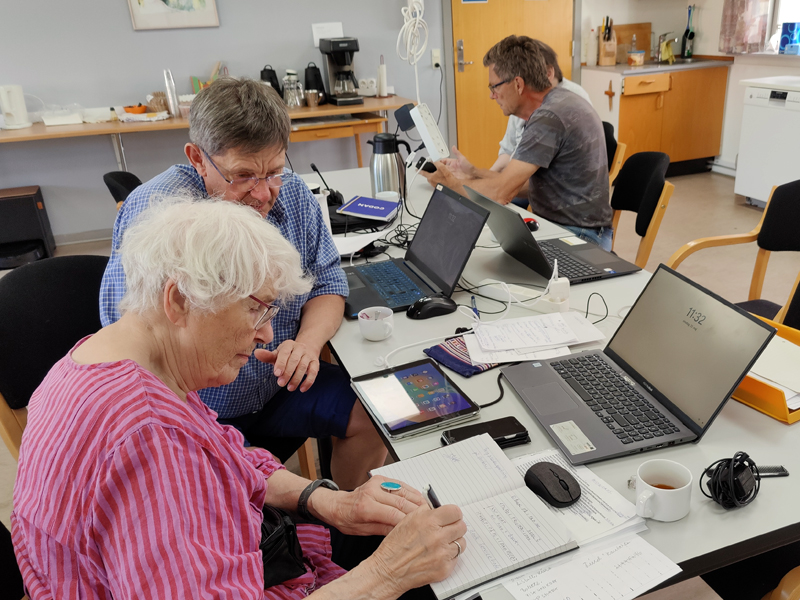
[(744, 26)]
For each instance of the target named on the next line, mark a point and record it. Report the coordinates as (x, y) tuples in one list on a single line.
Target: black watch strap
[(302, 501)]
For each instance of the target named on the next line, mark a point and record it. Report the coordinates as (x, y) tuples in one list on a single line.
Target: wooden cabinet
[(678, 112), (693, 112)]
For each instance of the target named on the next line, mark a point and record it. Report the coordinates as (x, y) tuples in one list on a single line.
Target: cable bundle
[(732, 482), (413, 37)]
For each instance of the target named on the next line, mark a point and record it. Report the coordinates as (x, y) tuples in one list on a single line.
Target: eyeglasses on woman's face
[(266, 315)]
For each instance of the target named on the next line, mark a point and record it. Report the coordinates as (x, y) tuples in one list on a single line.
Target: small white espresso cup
[(376, 323), (663, 490)]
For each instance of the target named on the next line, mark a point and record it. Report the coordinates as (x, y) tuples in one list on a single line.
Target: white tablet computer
[(413, 398)]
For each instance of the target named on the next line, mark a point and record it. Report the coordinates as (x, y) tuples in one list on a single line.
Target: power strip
[(492, 288), (429, 132)]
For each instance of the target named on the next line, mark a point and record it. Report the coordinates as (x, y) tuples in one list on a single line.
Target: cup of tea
[(313, 97), (663, 490), (376, 323)]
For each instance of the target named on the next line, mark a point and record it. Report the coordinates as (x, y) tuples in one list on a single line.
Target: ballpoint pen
[(432, 498), (475, 308)]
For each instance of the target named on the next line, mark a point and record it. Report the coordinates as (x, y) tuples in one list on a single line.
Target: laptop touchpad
[(595, 256), (548, 399), (354, 282)]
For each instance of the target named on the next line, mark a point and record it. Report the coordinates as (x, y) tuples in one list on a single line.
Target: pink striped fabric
[(125, 491)]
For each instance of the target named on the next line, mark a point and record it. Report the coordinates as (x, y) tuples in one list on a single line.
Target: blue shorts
[(324, 410)]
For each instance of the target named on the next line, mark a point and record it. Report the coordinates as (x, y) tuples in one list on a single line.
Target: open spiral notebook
[(508, 526)]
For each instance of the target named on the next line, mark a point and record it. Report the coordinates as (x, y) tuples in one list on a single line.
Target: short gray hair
[(520, 56), (217, 252), (238, 114)]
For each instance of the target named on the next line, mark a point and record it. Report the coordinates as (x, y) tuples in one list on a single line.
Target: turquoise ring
[(391, 486)]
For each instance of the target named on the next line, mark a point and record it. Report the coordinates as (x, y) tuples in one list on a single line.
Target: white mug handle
[(643, 508), (387, 328)]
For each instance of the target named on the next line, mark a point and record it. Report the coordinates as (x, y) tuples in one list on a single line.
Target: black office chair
[(121, 184), (47, 306), (641, 188), (791, 315), (615, 152), (776, 232)]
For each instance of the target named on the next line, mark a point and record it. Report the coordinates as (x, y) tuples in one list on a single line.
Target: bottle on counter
[(114, 116)]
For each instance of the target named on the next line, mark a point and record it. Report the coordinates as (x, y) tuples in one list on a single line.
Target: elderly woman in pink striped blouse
[(129, 488)]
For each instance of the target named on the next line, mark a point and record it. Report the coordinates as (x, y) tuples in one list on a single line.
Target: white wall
[(87, 52)]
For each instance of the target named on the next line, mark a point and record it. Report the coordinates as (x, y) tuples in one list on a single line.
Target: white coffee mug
[(663, 490), (376, 323)]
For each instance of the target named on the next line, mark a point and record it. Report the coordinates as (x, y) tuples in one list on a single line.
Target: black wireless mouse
[(431, 306), (553, 484)]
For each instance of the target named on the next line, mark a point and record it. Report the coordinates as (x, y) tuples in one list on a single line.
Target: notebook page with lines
[(508, 526)]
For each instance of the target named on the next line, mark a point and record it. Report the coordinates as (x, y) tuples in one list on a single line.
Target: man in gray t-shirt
[(561, 156), (565, 139)]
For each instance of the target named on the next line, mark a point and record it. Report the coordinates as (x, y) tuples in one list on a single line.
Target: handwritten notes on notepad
[(508, 526), (620, 571)]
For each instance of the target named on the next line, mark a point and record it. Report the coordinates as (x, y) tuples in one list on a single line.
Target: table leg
[(358, 149), (119, 151)]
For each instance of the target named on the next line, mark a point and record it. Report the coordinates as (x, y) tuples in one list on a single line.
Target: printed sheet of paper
[(463, 473), (478, 355), (584, 330), (600, 511), (347, 244), (779, 362), (526, 332), (620, 571)]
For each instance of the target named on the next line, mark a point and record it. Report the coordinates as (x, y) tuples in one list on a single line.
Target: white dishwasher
[(770, 137)]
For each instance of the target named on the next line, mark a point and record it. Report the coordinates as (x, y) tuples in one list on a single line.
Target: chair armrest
[(710, 242), (788, 588)]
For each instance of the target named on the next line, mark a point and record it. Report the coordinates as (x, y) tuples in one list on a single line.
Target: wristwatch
[(302, 501)]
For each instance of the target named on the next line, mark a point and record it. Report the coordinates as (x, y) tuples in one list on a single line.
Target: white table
[(709, 537)]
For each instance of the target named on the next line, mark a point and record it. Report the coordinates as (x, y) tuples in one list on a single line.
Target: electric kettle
[(387, 171), (12, 103)]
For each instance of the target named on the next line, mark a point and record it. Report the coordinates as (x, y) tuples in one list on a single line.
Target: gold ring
[(458, 553)]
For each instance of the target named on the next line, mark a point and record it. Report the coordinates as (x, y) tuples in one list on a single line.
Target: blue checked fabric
[(298, 216)]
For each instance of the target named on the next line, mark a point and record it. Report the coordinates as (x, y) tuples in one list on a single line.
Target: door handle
[(460, 56)]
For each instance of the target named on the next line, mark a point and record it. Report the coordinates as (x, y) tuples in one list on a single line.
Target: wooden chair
[(47, 306), (776, 232), (641, 188), (121, 184), (788, 588), (615, 152)]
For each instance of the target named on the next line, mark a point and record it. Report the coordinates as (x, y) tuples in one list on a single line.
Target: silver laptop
[(662, 379), (578, 263)]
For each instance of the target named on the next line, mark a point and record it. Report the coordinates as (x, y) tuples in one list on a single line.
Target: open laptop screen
[(445, 237), (689, 344)]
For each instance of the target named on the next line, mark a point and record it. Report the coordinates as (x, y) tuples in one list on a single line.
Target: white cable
[(384, 361), (413, 31)]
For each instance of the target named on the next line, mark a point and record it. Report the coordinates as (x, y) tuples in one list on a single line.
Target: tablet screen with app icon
[(413, 397)]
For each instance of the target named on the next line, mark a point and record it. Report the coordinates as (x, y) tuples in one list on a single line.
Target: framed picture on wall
[(173, 14)]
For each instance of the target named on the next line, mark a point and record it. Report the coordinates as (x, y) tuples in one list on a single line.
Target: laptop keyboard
[(568, 267), (628, 414), (394, 286)]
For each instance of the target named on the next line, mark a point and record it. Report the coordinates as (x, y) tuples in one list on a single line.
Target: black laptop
[(433, 263), (665, 375), (578, 260)]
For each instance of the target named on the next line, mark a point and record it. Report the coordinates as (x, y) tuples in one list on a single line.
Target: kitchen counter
[(699, 63)]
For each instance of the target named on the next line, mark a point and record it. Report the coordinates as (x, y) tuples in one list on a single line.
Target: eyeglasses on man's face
[(265, 316), (493, 86), (244, 184)]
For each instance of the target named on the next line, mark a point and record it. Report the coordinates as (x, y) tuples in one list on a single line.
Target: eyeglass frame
[(266, 317), (492, 87), (269, 179)]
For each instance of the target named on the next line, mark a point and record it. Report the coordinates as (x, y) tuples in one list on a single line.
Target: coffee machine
[(338, 70)]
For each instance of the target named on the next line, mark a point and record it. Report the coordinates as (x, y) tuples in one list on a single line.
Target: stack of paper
[(530, 338), (777, 366)]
